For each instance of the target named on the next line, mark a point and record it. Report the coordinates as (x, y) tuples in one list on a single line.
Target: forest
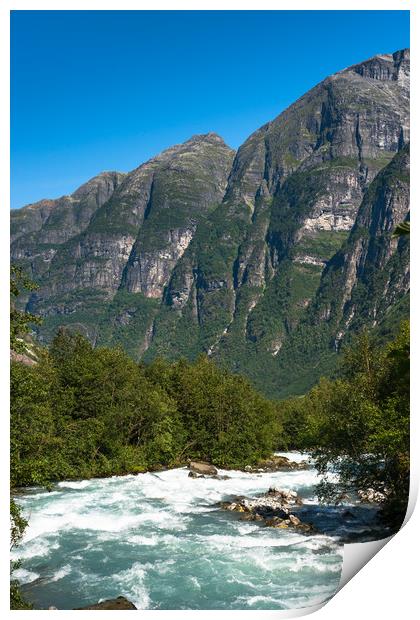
[(83, 412)]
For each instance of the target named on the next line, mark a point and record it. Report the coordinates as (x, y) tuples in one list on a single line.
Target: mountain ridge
[(204, 249)]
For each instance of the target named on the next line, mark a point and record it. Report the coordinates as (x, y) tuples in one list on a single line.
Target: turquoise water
[(160, 540)]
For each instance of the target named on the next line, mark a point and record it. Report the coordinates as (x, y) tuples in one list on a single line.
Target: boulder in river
[(272, 508), (114, 603), (274, 501), (200, 467), (193, 474), (276, 463), (285, 496), (370, 496), (294, 520), (291, 521)]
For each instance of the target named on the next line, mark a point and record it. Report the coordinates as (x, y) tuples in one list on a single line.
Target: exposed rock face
[(191, 182), (129, 238), (366, 283), (201, 250), (38, 230), (348, 115), (22, 359), (149, 271), (373, 262), (59, 220)]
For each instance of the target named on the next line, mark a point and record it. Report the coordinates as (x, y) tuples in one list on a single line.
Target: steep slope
[(371, 272), (365, 285), (38, 230), (200, 249), (292, 198), (131, 242)]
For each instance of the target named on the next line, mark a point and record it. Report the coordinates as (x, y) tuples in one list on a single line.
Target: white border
[(387, 586)]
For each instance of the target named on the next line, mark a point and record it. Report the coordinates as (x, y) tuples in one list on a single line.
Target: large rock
[(118, 603), (273, 500), (200, 467), (273, 509)]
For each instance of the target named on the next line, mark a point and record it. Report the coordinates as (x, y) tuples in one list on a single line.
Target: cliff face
[(38, 230), (128, 240), (296, 185), (200, 249), (364, 285), (370, 273), (183, 192)]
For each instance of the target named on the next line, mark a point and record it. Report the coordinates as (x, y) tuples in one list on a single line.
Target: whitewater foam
[(63, 572), (162, 541), (131, 582), (24, 576)]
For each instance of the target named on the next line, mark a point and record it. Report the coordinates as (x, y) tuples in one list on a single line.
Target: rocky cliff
[(364, 285), (204, 250)]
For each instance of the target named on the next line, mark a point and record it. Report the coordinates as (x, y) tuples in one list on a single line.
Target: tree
[(17, 528), (359, 424), (20, 321), (19, 325)]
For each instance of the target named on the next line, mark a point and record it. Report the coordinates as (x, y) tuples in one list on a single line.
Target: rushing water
[(160, 540)]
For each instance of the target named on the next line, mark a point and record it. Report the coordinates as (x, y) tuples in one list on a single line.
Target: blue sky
[(106, 90)]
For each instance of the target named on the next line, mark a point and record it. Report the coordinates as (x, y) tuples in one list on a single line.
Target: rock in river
[(276, 463), (200, 467), (114, 603), (272, 508)]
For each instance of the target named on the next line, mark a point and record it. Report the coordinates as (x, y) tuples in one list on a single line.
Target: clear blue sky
[(106, 90)]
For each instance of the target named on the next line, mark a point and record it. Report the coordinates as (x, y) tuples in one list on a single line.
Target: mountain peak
[(383, 67), (196, 140), (211, 137)]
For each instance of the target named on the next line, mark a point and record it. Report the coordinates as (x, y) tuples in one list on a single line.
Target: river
[(160, 540)]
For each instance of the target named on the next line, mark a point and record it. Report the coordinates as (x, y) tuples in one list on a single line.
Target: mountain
[(267, 259)]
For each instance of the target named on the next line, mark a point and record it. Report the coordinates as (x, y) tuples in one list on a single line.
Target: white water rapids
[(161, 540)]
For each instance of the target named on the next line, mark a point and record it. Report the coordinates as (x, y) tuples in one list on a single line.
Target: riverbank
[(275, 462)]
